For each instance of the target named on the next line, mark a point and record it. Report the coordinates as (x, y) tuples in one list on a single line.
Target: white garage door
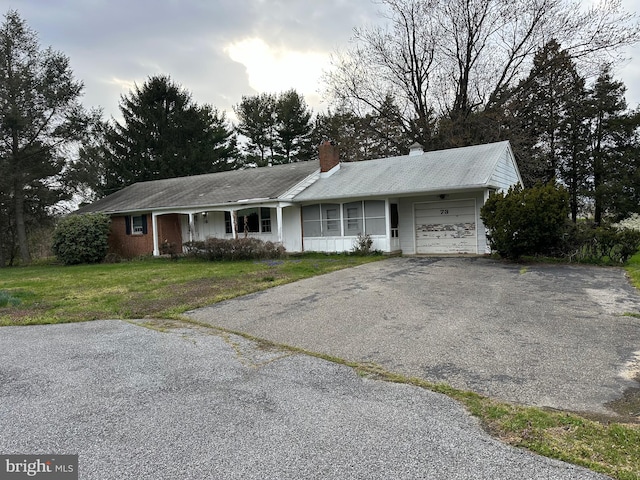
[(446, 227)]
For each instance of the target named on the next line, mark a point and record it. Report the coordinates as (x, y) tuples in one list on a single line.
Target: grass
[(157, 288), (607, 447), (633, 269)]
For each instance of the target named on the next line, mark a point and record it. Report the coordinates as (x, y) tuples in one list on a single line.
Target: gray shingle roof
[(205, 190), (436, 171)]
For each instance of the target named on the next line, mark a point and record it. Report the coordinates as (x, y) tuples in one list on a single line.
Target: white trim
[(328, 173)]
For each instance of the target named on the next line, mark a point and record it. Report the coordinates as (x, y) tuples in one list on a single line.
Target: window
[(353, 218), (321, 220), (311, 221), (228, 228), (136, 225), (374, 217), (265, 220), (251, 220), (324, 220), (330, 219)]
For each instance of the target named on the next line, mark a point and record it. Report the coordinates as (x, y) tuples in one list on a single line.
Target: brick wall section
[(329, 157), (129, 246)]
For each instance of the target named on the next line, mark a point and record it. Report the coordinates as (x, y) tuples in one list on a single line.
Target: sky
[(219, 50)]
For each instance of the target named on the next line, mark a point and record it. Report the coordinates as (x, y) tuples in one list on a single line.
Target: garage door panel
[(446, 227)]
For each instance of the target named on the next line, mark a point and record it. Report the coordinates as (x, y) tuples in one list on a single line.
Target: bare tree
[(450, 58)]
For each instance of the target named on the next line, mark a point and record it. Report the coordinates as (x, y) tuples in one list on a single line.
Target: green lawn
[(158, 288), (633, 269)]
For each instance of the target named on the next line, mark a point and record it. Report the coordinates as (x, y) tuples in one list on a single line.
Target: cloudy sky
[(218, 49)]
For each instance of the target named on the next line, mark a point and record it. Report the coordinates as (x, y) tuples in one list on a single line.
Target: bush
[(234, 249), (362, 245), (81, 238), (528, 221)]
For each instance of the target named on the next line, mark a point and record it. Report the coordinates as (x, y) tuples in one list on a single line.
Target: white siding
[(291, 228), (342, 244), (505, 173)]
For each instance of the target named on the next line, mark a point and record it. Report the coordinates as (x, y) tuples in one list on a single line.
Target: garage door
[(446, 227)]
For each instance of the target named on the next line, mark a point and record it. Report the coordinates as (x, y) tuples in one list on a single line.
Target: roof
[(205, 190), (437, 171)]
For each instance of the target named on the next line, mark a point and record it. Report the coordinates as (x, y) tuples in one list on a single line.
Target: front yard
[(158, 288)]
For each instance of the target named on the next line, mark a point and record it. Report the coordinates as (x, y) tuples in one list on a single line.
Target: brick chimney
[(329, 157)]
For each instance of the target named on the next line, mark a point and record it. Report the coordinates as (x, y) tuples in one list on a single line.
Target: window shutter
[(127, 224), (144, 225)]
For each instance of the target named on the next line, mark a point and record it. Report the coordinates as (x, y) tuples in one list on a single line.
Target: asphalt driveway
[(136, 403), (540, 335)]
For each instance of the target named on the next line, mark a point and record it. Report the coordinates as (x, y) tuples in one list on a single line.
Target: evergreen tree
[(257, 122), (541, 106), (342, 127), (165, 134), (293, 127), (41, 116), (612, 139)]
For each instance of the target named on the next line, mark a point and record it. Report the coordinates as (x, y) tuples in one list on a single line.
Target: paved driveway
[(540, 335), (140, 404)]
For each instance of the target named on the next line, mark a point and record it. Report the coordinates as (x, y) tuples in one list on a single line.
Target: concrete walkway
[(538, 335)]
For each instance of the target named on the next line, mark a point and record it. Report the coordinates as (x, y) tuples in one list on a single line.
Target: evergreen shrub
[(526, 221), (81, 238)]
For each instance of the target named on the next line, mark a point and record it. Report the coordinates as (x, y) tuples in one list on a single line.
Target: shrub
[(584, 242), (81, 238), (528, 221), (234, 249), (362, 245)]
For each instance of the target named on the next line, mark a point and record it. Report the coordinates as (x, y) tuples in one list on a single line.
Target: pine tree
[(293, 127), (41, 117), (257, 122), (165, 134), (612, 135), (541, 108)]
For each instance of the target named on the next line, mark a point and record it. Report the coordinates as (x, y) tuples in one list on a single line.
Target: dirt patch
[(628, 406)]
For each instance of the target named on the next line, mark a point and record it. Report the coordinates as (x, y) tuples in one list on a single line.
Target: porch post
[(234, 223), (279, 222), (154, 228), (387, 215), (191, 227)]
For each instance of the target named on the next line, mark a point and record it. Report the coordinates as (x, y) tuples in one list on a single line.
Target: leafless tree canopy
[(449, 58)]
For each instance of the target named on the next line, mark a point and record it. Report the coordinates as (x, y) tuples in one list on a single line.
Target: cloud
[(273, 69)]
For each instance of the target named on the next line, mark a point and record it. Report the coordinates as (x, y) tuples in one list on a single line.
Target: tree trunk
[(21, 230)]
